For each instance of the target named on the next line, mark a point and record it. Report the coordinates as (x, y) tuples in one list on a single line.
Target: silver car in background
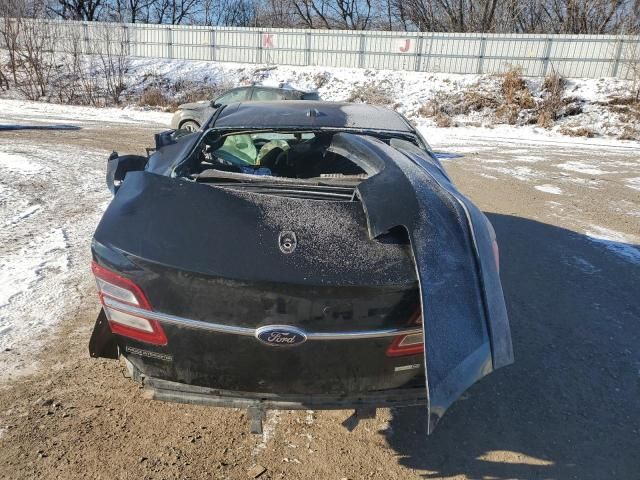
[(190, 116)]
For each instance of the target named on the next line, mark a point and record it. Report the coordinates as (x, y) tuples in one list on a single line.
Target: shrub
[(629, 133), (372, 94), (553, 105), (320, 79), (577, 132), (443, 120), (153, 97)]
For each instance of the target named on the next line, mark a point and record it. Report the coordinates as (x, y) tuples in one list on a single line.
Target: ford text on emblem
[(281, 335)]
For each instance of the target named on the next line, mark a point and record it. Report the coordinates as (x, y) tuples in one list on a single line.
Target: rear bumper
[(157, 389)]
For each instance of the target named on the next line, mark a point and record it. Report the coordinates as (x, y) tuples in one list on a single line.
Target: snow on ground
[(18, 163), (633, 183), (51, 113), (407, 91), (617, 242), (582, 167), (47, 217), (484, 138), (549, 189)]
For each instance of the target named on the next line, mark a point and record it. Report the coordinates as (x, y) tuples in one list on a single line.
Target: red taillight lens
[(410, 344), (114, 290)]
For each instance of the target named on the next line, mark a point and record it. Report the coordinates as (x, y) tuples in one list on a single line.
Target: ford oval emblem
[(280, 335)]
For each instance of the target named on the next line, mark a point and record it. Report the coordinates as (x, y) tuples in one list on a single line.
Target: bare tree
[(88, 10), (277, 13), (235, 13), (77, 77), (173, 12), (331, 14), (114, 62), (10, 32), (130, 11), (35, 58)]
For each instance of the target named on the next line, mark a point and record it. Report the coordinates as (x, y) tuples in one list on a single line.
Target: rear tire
[(190, 126)]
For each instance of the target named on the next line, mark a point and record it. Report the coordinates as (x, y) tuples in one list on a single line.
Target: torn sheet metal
[(466, 330)]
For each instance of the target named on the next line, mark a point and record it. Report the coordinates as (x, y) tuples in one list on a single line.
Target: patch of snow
[(516, 171), (582, 167), (455, 137), (18, 163), (614, 241), (20, 271), (24, 112), (43, 263), (528, 158), (633, 183), (26, 213), (268, 430), (309, 420), (549, 189)]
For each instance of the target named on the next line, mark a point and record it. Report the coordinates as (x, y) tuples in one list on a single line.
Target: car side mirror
[(118, 166), (215, 104)]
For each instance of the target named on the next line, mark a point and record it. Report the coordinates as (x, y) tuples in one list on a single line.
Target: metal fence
[(591, 56)]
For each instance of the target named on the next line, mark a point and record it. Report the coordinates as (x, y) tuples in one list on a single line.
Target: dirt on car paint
[(568, 407)]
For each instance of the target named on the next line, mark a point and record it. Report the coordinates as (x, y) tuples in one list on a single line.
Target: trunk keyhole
[(287, 242)]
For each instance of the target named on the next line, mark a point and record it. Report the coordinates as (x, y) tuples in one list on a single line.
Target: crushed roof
[(305, 113)]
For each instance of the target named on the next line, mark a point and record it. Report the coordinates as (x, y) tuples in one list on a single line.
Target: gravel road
[(567, 218)]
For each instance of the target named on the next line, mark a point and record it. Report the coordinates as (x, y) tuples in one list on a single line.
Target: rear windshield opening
[(304, 156)]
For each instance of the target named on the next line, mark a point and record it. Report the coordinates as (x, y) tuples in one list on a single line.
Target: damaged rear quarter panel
[(466, 331)]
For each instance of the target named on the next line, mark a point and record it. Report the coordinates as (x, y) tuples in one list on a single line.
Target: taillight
[(114, 290), (410, 344)]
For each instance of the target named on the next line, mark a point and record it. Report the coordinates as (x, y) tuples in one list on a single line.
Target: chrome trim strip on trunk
[(250, 332)]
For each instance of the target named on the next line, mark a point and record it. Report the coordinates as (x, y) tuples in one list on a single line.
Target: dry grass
[(320, 79), (630, 133), (553, 105), (516, 97), (153, 97), (627, 106), (577, 132), (187, 91), (476, 101), (372, 94), (443, 120), (444, 106)]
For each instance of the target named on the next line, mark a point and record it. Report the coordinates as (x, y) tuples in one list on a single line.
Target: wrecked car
[(297, 255)]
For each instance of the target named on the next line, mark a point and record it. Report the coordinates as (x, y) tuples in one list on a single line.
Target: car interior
[(292, 155)]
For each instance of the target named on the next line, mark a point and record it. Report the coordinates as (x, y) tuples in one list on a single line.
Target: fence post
[(483, 42), (212, 44), (85, 30), (546, 55), (307, 48), (419, 41), (260, 34), (125, 39), (169, 35), (616, 63), (362, 47), (429, 53)]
